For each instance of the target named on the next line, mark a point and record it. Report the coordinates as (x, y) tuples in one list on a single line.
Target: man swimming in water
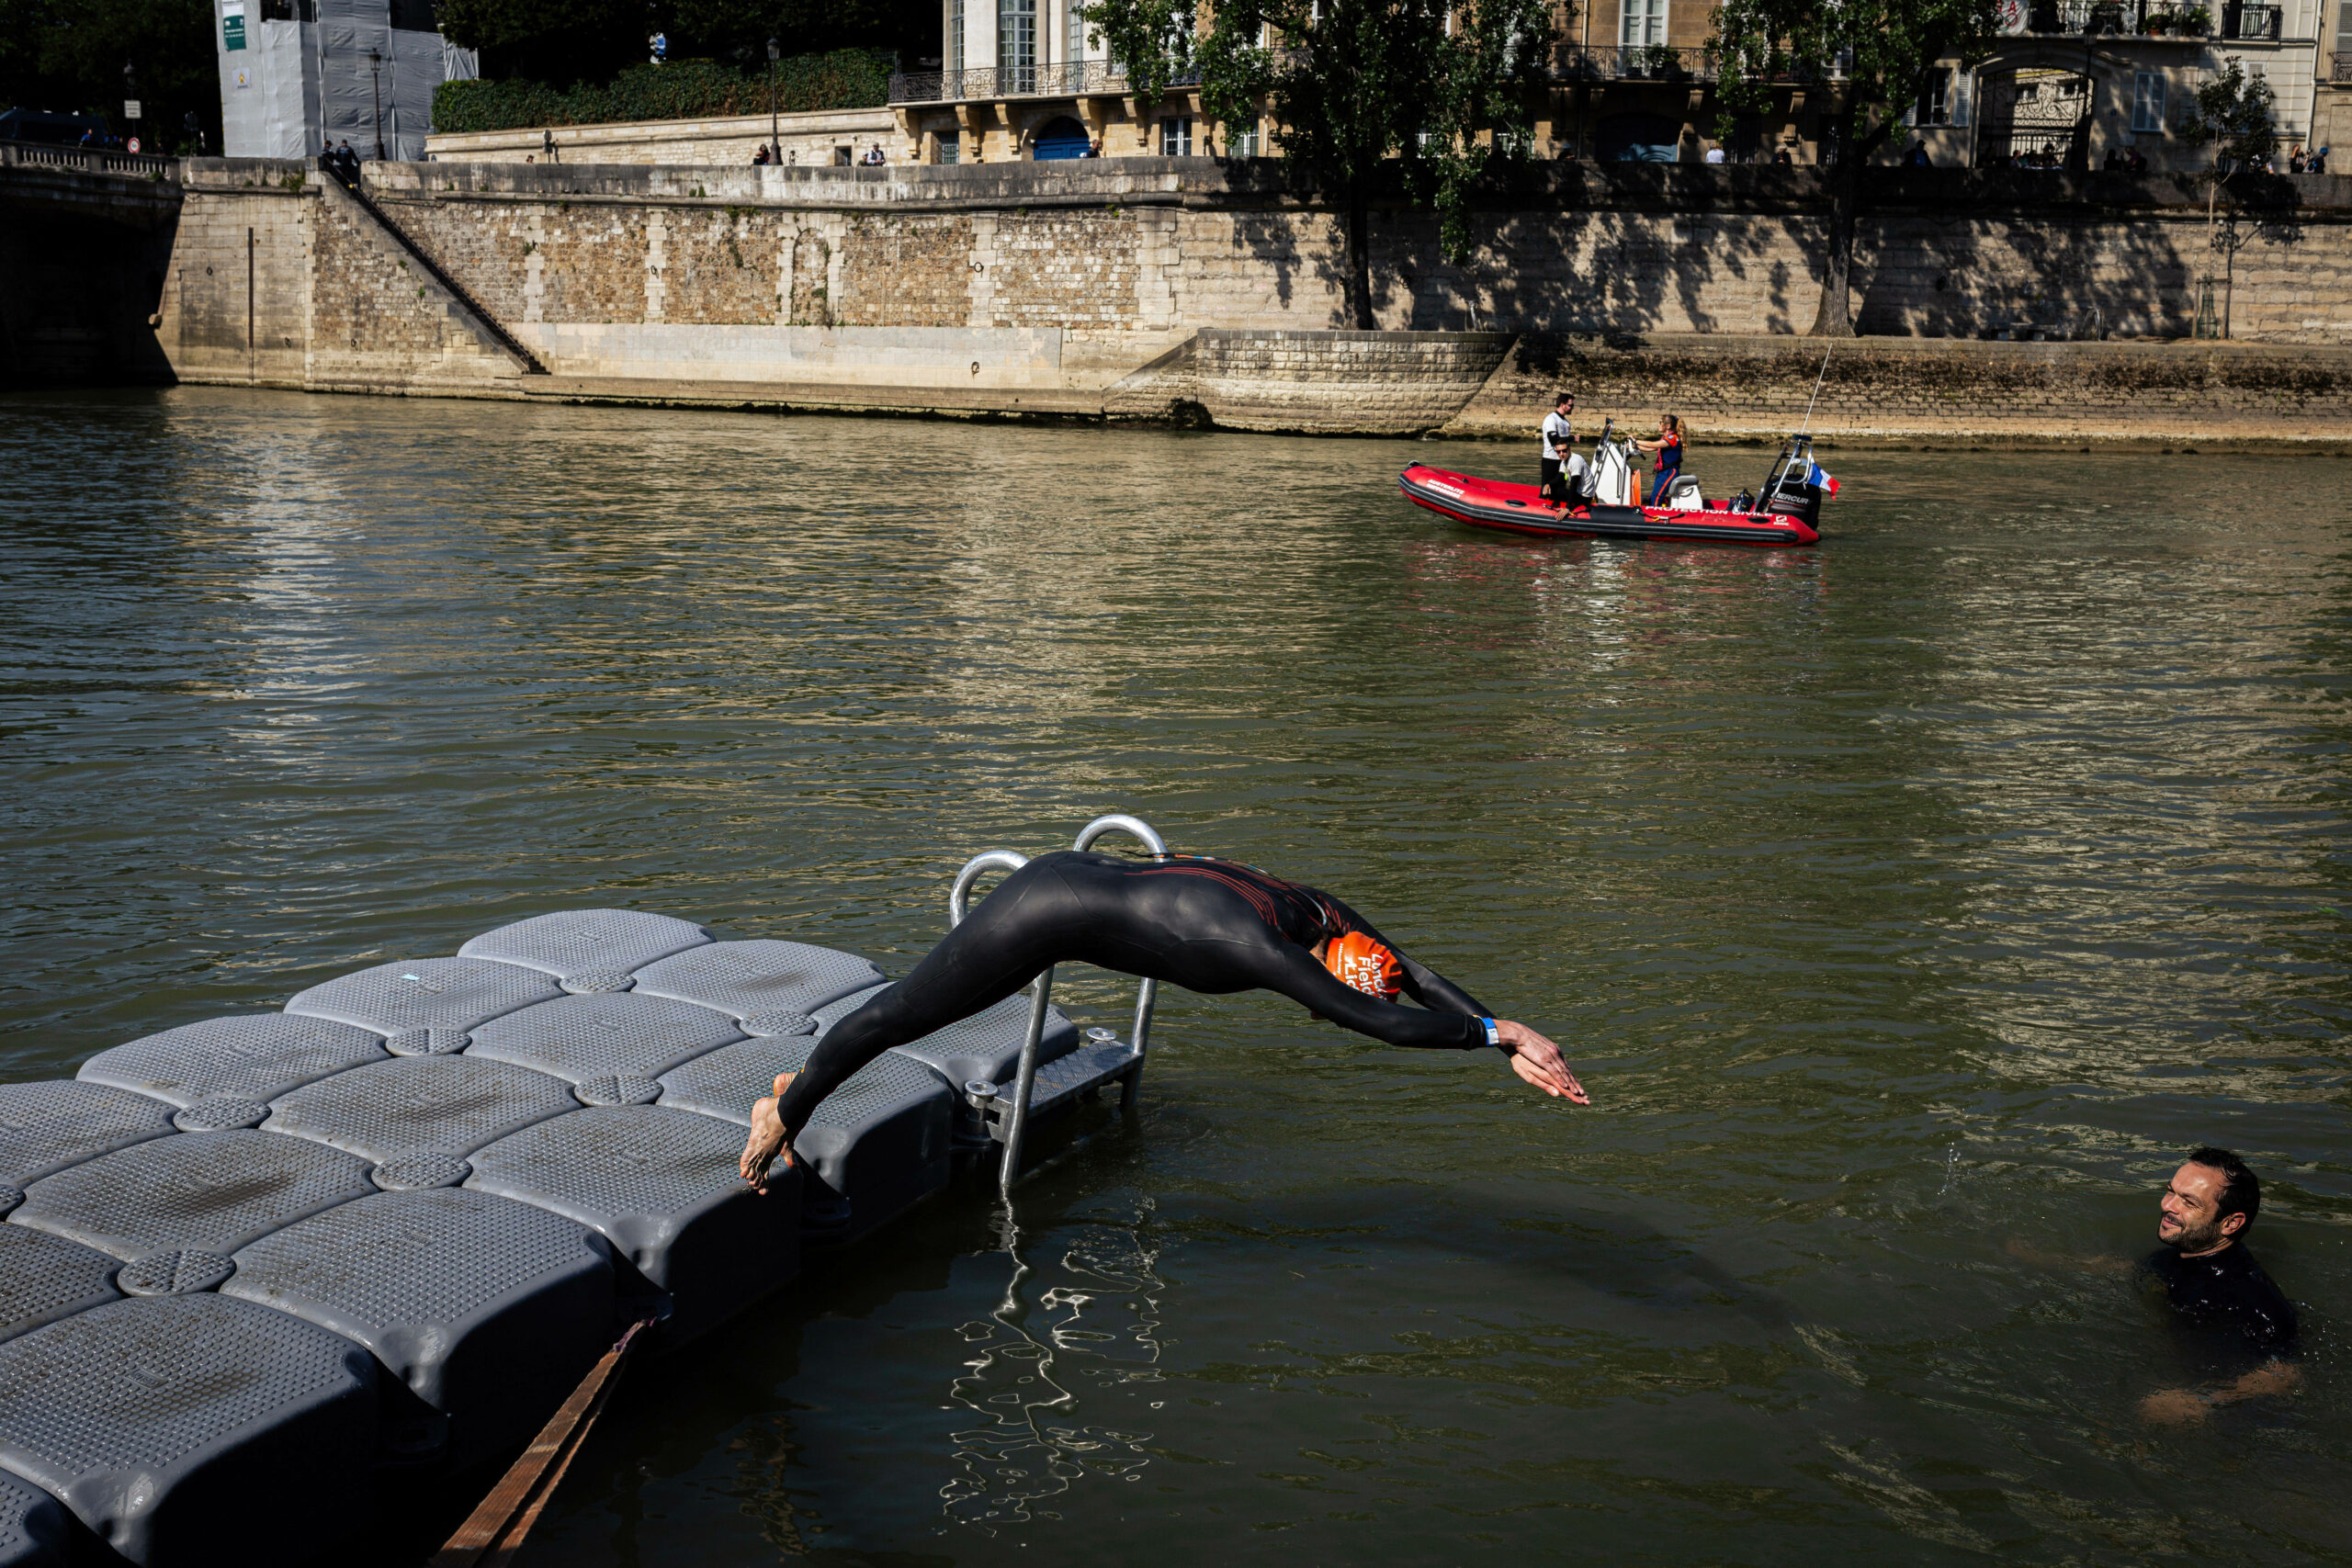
[(2239, 1328), (1208, 925)]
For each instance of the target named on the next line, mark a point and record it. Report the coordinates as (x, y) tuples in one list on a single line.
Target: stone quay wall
[(1186, 289)]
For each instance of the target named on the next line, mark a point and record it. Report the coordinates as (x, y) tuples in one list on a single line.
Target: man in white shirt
[(1558, 440), (1715, 154)]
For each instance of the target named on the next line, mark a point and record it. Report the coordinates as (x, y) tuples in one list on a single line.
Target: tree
[(1866, 59), (68, 55), (1153, 39), (2232, 116), (557, 42), (1353, 84)]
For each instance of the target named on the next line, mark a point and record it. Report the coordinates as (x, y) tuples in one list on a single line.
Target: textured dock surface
[(248, 1263)]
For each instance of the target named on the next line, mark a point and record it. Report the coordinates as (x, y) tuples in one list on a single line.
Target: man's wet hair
[(1559, 398), (2241, 1188)]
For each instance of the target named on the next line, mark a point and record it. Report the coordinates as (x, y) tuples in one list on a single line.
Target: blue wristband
[(1494, 1035)]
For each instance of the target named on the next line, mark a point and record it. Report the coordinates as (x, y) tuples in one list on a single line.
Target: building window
[(1016, 46), (2147, 100), (1641, 23), (1176, 135), (1246, 145), (956, 39), (1935, 98), (1077, 30), (951, 146)]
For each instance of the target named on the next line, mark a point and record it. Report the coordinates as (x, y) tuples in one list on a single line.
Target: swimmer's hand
[(767, 1139), (2174, 1407), (1537, 1060)]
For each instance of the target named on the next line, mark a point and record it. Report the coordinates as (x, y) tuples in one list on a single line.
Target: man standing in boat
[(1558, 442), (1209, 925)]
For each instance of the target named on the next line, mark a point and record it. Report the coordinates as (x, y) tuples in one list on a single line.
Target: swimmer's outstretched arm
[(1292, 972), (2180, 1406), (1533, 1057)]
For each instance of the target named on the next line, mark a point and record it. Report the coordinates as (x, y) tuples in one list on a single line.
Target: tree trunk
[(1360, 258), (1843, 171)]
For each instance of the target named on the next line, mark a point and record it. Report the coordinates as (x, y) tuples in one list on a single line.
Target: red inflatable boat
[(1787, 510)]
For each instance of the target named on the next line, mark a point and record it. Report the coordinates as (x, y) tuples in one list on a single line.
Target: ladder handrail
[(1147, 992), (1042, 989)]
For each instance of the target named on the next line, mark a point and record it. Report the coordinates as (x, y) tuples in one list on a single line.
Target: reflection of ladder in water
[(1005, 1108)]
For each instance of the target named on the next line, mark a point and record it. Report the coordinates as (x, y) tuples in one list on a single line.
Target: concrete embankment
[(1187, 291)]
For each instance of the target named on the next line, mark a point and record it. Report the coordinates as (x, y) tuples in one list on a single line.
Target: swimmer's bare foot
[(767, 1140)]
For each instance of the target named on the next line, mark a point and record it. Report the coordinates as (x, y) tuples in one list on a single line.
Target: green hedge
[(683, 89)]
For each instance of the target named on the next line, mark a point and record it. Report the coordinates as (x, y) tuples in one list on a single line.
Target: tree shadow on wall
[(1563, 247)]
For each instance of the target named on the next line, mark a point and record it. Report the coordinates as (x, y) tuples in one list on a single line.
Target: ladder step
[(1063, 1080)]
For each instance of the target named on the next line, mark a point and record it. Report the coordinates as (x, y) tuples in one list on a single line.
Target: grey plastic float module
[(407, 1105), (753, 979), (489, 1310), (724, 1083), (987, 1046), (32, 1526), (882, 1141), (206, 1192), (661, 1186), (604, 1036), (599, 948), (257, 1057), (192, 1428), (423, 994), (44, 1278), (46, 1127)]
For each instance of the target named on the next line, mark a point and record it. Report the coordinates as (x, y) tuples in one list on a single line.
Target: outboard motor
[(1800, 501)]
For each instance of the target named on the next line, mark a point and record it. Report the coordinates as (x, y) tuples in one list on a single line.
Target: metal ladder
[(1098, 1062)]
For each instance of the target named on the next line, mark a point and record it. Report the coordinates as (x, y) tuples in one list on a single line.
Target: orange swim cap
[(1356, 960)]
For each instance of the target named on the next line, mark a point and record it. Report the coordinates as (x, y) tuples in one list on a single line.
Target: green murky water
[(1896, 899)]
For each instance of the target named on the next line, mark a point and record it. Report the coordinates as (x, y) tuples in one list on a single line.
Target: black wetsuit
[(1207, 925), (2229, 1303)]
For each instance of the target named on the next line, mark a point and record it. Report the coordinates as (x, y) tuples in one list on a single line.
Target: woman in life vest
[(1668, 447)]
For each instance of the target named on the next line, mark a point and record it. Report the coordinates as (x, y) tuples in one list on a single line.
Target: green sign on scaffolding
[(233, 25)]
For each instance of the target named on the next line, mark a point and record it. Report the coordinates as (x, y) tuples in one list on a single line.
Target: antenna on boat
[(1817, 389)]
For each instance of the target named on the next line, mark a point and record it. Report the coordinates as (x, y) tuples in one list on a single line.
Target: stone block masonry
[(1189, 289)]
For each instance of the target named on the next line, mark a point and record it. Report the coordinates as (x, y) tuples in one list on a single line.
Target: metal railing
[(1656, 62), (434, 270), (2252, 22), (1635, 62), (1069, 78), (2339, 67), (99, 160), (2093, 18), (1040, 991)]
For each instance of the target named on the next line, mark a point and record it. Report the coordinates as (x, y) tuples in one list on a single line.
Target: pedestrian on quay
[(1558, 440)]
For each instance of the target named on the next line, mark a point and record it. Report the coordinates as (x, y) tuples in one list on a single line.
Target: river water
[(1899, 900)]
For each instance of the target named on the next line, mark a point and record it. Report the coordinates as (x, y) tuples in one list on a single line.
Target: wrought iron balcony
[(1637, 62), (1069, 79), (2251, 21), (2092, 19), (2339, 68)]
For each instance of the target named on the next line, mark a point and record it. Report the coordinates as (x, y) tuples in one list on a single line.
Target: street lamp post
[(776, 141), (376, 96)]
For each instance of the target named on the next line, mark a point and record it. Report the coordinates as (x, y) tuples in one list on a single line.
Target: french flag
[(1814, 474)]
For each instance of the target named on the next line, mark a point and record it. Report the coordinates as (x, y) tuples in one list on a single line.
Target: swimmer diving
[(1209, 925)]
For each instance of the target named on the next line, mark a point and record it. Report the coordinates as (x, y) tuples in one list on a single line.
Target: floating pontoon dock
[(250, 1265)]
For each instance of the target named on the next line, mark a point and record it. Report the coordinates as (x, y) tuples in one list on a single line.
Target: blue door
[(1063, 138)]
